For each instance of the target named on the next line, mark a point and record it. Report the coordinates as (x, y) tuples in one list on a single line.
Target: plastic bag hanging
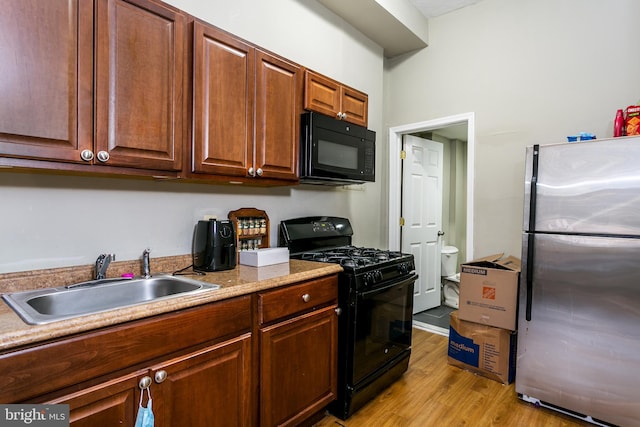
[(145, 415)]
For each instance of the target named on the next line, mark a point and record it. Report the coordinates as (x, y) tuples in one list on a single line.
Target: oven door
[(383, 322)]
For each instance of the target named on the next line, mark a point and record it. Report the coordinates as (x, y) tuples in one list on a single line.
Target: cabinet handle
[(306, 297), (259, 172), (103, 156), (338, 311), (160, 376), (86, 155), (252, 171), (144, 382)]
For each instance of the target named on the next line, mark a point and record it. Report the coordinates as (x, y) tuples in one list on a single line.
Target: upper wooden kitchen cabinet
[(46, 72), (247, 105), (140, 94), (329, 97), (52, 98)]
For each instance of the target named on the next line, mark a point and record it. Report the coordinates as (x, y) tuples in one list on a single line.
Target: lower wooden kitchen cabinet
[(210, 387), (298, 351), (263, 359), (198, 363)]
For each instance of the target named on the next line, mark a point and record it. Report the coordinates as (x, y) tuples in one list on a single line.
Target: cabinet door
[(140, 84), (298, 363), (209, 388), (223, 95), (114, 403), (328, 97), (355, 105), (47, 79), (321, 94), (278, 108)]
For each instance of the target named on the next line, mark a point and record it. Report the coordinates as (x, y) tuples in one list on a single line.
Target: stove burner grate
[(352, 256)]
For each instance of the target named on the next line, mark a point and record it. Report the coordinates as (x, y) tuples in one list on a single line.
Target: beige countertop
[(242, 280)]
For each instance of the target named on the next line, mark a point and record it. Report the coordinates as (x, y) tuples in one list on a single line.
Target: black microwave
[(334, 152)]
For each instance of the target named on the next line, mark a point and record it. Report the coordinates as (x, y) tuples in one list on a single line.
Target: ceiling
[(394, 24), (433, 8)]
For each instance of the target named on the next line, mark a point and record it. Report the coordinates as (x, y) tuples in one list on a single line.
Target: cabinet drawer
[(295, 299)]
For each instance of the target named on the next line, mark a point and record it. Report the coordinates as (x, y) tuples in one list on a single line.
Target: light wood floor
[(434, 393)]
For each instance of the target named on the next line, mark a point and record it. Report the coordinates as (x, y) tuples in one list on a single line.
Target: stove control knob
[(368, 279), (377, 276)]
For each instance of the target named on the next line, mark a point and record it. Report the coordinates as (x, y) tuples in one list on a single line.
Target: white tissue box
[(266, 256)]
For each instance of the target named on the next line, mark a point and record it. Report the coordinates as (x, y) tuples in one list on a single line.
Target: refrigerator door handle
[(534, 189), (530, 253), (531, 228)]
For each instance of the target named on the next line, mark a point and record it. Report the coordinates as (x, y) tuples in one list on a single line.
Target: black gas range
[(369, 267), (375, 297)]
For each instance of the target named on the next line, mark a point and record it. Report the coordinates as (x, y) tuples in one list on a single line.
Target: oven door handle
[(406, 280)]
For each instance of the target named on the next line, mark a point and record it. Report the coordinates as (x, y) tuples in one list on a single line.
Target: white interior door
[(422, 172)]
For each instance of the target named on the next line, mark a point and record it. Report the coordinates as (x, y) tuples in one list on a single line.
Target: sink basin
[(43, 306)]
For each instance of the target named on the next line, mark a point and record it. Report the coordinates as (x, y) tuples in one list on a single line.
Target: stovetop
[(328, 239), (365, 268), (353, 257)]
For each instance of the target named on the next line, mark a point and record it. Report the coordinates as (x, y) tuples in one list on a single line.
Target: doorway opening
[(456, 133)]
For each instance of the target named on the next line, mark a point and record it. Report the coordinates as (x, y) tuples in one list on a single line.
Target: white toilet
[(450, 277)]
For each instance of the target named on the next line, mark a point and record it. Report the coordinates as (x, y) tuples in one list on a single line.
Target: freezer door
[(587, 187), (581, 349)]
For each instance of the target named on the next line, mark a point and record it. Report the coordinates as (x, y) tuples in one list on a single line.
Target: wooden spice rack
[(252, 228)]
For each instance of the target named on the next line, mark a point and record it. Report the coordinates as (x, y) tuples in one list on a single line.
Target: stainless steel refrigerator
[(579, 300)]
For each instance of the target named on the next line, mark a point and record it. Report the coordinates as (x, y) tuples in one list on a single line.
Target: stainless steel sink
[(43, 306)]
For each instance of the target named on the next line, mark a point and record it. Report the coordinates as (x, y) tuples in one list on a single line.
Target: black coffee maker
[(214, 245)]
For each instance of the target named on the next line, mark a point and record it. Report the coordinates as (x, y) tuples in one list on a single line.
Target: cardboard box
[(484, 350), (489, 291), (266, 256)]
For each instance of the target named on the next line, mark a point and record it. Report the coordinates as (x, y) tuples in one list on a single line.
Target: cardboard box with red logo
[(489, 291)]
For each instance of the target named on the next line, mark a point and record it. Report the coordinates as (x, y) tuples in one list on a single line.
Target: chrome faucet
[(146, 266), (102, 263)]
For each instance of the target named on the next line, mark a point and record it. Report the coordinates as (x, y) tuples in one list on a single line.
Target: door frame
[(395, 172)]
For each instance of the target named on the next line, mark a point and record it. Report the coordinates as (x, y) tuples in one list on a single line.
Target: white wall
[(533, 71), (53, 221)]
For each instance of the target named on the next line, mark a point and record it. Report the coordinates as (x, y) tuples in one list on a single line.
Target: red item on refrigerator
[(618, 124)]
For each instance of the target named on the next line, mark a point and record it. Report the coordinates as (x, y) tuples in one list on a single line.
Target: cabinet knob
[(306, 297), (338, 311), (252, 171), (339, 115), (344, 116), (86, 155), (103, 156), (259, 172), (144, 382), (160, 376)]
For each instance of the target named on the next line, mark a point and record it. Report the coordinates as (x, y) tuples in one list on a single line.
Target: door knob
[(144, 382), (103, 156), (440, 233), (86, 155), (160, 376)]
